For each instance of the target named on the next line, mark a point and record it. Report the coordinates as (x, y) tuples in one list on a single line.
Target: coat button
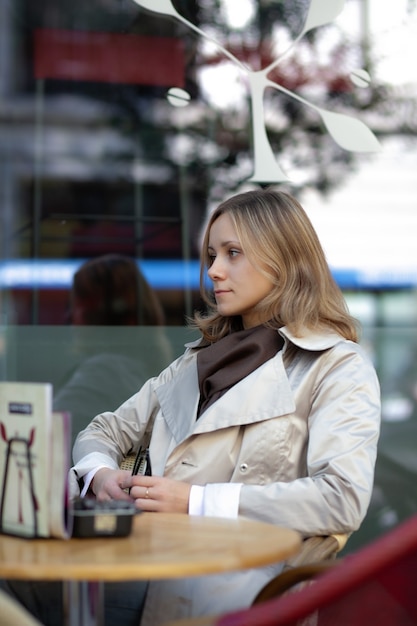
[(243, 467)]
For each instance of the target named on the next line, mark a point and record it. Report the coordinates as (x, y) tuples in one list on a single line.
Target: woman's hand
[(109, 484), (159, 494)]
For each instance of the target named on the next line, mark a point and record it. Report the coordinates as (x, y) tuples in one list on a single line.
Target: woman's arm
[(111, 436), (108, 439)]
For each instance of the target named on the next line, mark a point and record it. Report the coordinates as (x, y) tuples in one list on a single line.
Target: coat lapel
[(262, 395), (178, 399)]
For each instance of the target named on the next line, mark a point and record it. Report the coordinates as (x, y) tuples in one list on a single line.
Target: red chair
[(376, 585)]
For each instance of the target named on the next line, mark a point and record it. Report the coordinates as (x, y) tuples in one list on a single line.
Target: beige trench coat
[(300, 433)]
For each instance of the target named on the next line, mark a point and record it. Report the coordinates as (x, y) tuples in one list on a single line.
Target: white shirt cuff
[(195, 503), (215, 500)]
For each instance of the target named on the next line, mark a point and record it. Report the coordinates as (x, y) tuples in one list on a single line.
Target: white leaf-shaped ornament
[(360, 78), (178, 97), (350, 133), (322, 12), (165, 7)]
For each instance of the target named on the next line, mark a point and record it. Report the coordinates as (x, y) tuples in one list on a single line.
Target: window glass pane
[(98, 158)]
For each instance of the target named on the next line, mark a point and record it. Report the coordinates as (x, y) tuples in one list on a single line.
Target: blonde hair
[(279, 240)]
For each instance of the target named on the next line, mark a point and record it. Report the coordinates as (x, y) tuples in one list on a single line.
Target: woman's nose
[(215, 270)]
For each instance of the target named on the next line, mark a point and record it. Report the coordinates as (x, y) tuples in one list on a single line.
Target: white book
[(34, 462)]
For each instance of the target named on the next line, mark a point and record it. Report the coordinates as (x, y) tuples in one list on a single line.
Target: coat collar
[(309, 340), (312, 340)]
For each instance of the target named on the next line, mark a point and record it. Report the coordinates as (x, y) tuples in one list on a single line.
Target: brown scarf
[(224, 363)]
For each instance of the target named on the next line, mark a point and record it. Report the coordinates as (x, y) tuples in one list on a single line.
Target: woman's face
[(238, 286)]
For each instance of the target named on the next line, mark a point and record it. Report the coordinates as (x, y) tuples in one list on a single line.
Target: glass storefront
[(121, 127)]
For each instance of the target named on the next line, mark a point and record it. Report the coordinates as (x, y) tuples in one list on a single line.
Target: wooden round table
[(160, 546)]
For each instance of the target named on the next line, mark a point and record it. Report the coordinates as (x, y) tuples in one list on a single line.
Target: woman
[(274, 414)]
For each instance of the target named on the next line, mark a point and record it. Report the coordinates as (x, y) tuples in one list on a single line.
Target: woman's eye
[(233, 252), (211, 258)]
